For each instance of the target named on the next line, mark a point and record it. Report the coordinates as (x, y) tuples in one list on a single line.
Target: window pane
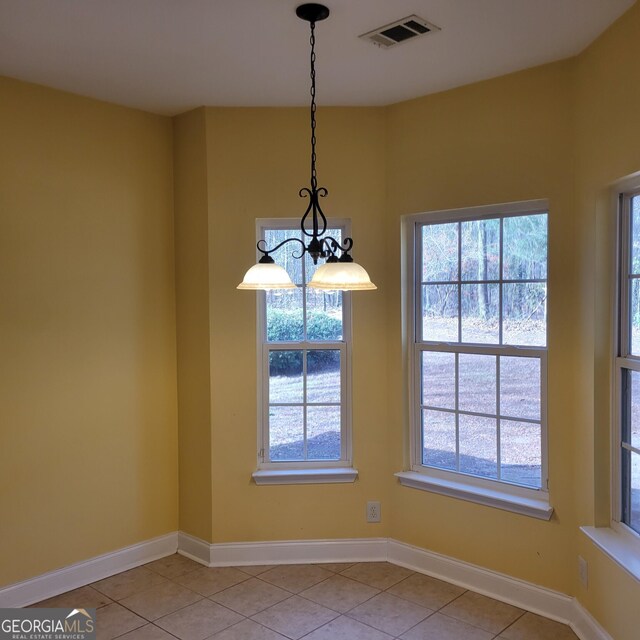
[(477, 384), (520, 387), (631, 430), (323, 433), (439, 439), (481, 250), (324, 315), (631, 489), (440, 252), (439, 379), (634, 315), (286, 433), (284, 315), (285, 255), (323, 375), (635, 235), (478, 446), (480, 313), (285, 377), (524, 313), (520, 453), (635, 492), (525, 247), (440, 312)]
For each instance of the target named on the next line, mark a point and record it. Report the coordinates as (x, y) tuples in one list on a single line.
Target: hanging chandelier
[(339, 272)]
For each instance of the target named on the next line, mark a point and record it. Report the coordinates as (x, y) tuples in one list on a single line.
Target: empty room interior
[(319, 321)]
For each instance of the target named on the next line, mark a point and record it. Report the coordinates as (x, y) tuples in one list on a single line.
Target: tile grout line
[(172, 580), (290, 594)]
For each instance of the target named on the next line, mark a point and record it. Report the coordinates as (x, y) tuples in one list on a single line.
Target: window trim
[(293, 472), (514, 497), (622, 194)]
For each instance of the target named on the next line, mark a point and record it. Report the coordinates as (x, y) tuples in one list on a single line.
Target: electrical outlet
[(583, 567), (373, 511)]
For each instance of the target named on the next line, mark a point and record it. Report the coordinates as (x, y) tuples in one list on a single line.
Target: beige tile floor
[(177, 598)]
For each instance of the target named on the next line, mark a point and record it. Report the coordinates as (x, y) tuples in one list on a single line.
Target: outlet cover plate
[(373, 511)]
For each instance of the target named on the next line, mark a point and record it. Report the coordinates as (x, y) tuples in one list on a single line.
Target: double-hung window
[(627, 367), (304, 352), (478, 351)]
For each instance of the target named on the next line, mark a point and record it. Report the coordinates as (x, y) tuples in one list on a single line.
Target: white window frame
[(498, 493), (618, 541), (319, 471), (622, 359)]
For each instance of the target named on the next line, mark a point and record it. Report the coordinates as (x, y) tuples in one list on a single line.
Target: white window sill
[(535, 508), (622, 548), (305, 476)]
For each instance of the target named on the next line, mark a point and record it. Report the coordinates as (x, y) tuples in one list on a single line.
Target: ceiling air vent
[(400, 31)]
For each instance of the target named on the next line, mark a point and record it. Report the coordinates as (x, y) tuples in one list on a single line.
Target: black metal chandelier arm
[(266, 251), (332, 245), (319, 220)]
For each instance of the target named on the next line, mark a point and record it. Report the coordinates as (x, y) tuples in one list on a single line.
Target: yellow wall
[(88, 460), (504, 140), (607, 149), (258, 161), (565, 131), (193, 322)]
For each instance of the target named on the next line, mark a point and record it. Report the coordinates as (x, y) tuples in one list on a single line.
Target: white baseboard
[(282, 551), (194, 548), (299, 551), (545, 602), (525, 595), (586, 627), (80, 574)]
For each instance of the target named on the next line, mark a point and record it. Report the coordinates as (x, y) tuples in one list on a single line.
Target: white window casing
[(490, 491), (303, 471), (625, 364)]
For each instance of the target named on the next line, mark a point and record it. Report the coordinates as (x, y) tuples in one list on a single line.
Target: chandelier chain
[(314, 180)]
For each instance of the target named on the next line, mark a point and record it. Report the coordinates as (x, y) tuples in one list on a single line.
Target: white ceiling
[(167, 56)]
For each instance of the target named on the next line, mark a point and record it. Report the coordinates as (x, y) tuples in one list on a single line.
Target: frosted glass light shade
[(345, 276), (266, 276)]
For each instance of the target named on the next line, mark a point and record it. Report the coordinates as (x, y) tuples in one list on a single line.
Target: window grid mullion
[(419, 306), (498, 420), (305, 405), (629, 447), (457, 409), (505, 281), (501, 285), (304, 298), (479, 414), (625, 262), (487, 349), (309, 346), (459, 283)]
